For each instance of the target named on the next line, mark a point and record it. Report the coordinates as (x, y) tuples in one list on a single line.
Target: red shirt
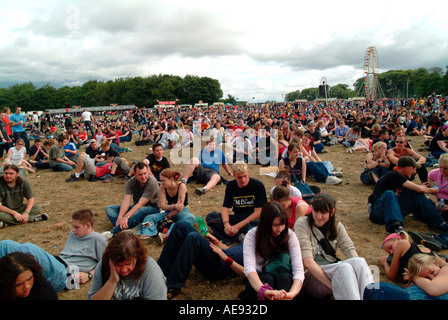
[(8, 126)]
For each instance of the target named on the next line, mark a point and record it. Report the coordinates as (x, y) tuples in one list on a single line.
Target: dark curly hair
[(11, 266), (124, 246)]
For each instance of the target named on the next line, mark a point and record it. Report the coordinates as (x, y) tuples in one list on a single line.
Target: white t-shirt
[(86, 116)]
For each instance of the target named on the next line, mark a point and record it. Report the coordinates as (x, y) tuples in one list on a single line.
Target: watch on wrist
[(90, 275)]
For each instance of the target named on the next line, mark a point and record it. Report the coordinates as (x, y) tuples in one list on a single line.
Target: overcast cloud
[(255, 49)]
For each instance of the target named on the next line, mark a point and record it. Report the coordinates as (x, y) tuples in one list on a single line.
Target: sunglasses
[(399, 141)]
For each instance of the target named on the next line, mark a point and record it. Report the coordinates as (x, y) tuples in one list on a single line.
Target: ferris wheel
[(371, 73)]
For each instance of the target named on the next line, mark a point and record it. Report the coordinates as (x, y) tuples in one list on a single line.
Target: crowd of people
[(283, 242)]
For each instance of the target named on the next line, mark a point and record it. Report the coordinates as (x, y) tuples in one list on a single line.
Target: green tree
[(44, 97), (295, 95), (23, 96), (341, 91)]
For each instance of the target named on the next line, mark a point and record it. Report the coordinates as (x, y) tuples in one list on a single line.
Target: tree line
[(416, 83), (139, 91), (147, 91)]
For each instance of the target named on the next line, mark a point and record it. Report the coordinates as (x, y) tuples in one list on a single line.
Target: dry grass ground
[(61, 199)]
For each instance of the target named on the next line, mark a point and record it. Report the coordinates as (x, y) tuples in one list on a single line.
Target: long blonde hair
[(417, 262)]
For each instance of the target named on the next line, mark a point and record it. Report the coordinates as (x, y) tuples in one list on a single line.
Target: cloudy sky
[(260, 49)]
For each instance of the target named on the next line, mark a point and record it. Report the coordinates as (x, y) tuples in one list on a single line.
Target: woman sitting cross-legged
[(272, 257), (320, 234), (173, 199)]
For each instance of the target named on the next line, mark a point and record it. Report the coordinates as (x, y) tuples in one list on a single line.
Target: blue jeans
[(318, 170), (53, 270), (42, 165), (389, 291), (415, 293), (125, 139), (436, 154), (113, 211), (88, 125), (319, 147), (117, 147), (185, 248), (153, 219), (63, 167), (390, 209), (214, 221), (385, 291)]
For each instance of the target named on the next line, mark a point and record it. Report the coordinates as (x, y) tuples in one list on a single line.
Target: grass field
[(61, 199)]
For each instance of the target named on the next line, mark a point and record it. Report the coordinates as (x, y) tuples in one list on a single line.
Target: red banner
[(167, 102)]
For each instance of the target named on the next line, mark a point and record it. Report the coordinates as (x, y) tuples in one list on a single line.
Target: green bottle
[(202, 225)]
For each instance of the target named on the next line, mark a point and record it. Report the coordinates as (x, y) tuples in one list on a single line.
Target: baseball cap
[(408, 161)]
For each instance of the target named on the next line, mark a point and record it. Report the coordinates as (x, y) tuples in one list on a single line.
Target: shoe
[(92, 178), (109, 178), (324, 151), (425, 240), (398, 228), (172, 293), (200, 191), (161, 238), (105, 176), (349, 150), (42, 217), (72, 178), (107, 234), (443, 227), (333, 180), (336, 173)]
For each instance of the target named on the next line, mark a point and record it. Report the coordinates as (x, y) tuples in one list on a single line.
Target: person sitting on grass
[(186, 247), (13, 191), (58, 160), (126, 272), (320, 234), (377, 163), (245, 196), (17, 155), (39, 155), (272, 240), (173, 200), (400, 150), (83, 250), (143, 190), (395, 196), (294, 207), (107, 171), (205, 169), (156, 162)]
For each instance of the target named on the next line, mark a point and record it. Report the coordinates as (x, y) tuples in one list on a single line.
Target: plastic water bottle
[(441, 203), (202, 225)]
